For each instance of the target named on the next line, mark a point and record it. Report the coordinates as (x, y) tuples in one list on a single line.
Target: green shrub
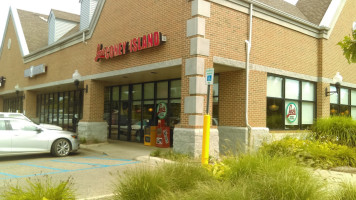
[(213, 190), (347, 191), (39, 190), (337, 129), (143, 183), (267, 177), (313, 153)]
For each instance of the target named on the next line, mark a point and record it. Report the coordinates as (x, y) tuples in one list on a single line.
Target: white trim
[(19, 31), (142, 68), (332, 14), (5, 30), (239, 64), (229, 62)]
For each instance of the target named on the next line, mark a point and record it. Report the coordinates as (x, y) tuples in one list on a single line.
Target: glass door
[(124, 114), (136, 114)]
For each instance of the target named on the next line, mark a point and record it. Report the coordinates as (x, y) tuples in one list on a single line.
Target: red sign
[(134, 45)]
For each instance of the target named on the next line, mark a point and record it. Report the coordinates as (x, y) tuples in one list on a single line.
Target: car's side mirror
[(39, 130)]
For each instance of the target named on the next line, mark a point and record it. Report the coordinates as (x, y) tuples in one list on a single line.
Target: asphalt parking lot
[(59, 165), (94, 169)]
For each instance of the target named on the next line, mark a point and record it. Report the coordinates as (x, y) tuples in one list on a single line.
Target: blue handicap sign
[(209, 77)]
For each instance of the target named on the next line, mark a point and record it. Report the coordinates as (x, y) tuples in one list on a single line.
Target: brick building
[(134, 57)]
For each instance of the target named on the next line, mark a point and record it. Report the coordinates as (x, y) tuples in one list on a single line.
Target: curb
[(102, 197), (89, 148)]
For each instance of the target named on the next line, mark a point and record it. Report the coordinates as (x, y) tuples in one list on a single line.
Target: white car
[(22, 116), (22, 136)]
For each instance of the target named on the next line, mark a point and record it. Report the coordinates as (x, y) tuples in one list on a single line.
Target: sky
[(37, 6)]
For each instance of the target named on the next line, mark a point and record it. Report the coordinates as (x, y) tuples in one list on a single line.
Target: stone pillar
[(188, 136), (92, 127), (30, 104)]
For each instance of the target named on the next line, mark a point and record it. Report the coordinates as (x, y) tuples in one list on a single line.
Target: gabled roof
[(35, 29), (312, 11), (66, 16), (285, 7), (19, 31)]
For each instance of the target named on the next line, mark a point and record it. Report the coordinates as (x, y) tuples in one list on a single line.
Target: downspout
[(83, 36), (248, 50)]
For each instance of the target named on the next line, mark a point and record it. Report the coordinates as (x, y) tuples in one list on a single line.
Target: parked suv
[(23, 136), (22, 116)]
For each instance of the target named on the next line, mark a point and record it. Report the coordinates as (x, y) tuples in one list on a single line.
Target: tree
[(348, 45)]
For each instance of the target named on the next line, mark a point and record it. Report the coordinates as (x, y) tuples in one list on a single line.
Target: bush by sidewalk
[(336, 129), (37, 189), (247, 177)]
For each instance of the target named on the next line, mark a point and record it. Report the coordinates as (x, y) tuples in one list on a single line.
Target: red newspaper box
[(163, 136)]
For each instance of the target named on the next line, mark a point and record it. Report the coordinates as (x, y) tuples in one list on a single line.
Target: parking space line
[(39, 166), (11, 175), (100, 158), (80, 163), (57, 170)]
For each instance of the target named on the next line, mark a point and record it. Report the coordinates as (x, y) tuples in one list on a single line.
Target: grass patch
[(247, 177), (347, 191), (144, 183), (267, 177), (37, 189), (313, 153), (336, 129), (170, 155)]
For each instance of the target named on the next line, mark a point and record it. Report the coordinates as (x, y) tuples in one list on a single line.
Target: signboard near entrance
[(35, 70), (161, 110), (291, 112), (134, 45)]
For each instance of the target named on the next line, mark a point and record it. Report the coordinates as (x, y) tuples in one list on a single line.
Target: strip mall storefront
[(273, 67)]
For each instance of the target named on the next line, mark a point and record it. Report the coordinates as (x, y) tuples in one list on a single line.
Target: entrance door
[(124, 114)]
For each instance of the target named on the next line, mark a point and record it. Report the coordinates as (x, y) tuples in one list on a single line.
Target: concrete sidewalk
[(124, 150)]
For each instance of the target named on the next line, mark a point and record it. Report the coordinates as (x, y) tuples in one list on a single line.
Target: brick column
[(323, 102), (92, 126), (30, 104), (188, 136), (2, 104)]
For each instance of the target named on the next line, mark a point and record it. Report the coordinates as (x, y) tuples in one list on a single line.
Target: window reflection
[(60, 108), (275, 113)]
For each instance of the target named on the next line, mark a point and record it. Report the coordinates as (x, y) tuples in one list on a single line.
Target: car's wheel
[(60, 148)]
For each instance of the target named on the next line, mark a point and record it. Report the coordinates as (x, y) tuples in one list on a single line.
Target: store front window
[(13, 104), (64, 109), (129, 109), (343, 104), (290, 103)]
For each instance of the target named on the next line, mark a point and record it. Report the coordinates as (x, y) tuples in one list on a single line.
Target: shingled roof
[(66, 16), (312, 11), (35, 29)]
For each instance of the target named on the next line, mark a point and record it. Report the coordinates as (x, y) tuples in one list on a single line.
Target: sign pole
[(206, 125)]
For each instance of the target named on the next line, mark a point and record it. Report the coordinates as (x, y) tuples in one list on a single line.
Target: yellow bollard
[(206, 140)]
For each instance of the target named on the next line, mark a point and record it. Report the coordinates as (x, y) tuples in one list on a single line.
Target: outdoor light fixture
[(337, 81), (76, 78), (17, 89), (2, 80)]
